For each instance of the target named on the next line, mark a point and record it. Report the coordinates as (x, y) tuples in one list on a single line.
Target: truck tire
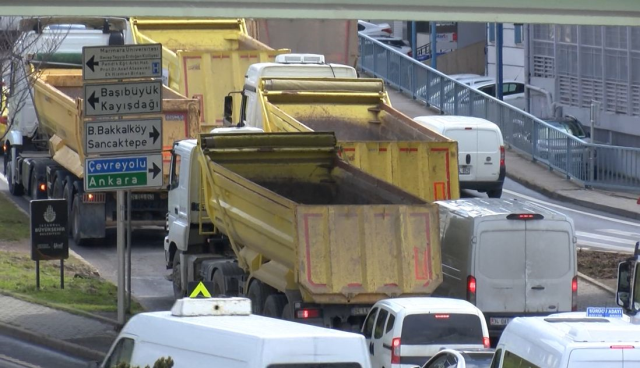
[(15, 189), (226, 279), (75, 224), (178, 291), (274, 306), (58, 187), (258, 293), (494, 193), (67, 194), (287, 312)]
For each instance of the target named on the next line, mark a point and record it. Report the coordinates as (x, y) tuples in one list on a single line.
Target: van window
[(495, 363), (488, 141), (390, 323), (368, 324), (493, 244), (316, 365), (512, 360), (550, 254), (382, 318), (121, 353), (450, 328)]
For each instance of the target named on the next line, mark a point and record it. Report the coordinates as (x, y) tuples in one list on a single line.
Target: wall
[(471, 33), (470, 59), (512, 55)]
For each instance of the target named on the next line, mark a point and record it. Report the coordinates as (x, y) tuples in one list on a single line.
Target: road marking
[(18, 362), (606, 238), (591, 244), (621, 233), (570, 209)]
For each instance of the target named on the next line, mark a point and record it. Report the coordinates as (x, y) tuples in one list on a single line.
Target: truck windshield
[(449, 328)]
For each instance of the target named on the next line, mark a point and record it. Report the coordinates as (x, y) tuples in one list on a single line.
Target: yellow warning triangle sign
[(200, 289)]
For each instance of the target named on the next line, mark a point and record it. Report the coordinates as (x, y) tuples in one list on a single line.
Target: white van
[(221, 332), (406, 332), (480, 150), (508, 257), (569, 340)]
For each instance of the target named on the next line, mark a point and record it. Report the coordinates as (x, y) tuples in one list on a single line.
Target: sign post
[(49, 229), (113, 147)]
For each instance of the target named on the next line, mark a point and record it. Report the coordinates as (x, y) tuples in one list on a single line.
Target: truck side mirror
[(228, 110), (623, 291)]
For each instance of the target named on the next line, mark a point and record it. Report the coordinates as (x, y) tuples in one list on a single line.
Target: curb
[(597, 283), (555, 195), (59, 345)]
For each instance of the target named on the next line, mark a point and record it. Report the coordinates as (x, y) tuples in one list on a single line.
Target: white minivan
[(569, 340), (481, 153), (508, 257), (406, 332), (222, 332)]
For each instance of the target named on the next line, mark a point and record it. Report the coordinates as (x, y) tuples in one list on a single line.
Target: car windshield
[(451, 328), (477, 360), (572, 128)]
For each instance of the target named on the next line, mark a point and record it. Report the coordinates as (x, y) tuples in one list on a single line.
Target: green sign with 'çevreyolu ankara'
[(114, 173), (123, 180)]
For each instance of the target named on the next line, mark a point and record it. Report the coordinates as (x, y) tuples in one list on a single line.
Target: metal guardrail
[(592, 165)]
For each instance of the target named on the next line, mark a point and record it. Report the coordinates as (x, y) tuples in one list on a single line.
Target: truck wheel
[(274, 306), (15, 189), (75, 224), (287, 312), (226, 279), (258, 293), (58, 187), (67, 194), (495, 193), (178, 291)]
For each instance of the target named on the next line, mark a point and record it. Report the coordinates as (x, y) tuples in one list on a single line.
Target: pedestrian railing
[(595, 165)]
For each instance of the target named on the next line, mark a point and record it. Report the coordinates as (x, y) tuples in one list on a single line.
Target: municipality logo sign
[(49, 214)]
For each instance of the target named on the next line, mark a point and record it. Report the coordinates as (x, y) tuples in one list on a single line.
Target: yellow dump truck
[(204, 59), (373, 136), (59, 172), (278, 217)]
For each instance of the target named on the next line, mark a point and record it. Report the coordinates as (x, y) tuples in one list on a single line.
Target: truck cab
[(285, 66)]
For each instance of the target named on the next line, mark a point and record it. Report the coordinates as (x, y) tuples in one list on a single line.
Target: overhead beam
[(587, 12)]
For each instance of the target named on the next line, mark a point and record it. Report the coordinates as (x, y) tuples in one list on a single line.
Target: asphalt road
[(16, 353)]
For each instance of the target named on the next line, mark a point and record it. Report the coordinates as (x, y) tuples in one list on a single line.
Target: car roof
[(425, 304), (455, 121), (576, 327), (480, 85), (498, 207)]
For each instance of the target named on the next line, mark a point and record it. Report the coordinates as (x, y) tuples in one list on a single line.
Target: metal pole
[(37, 274), (120, 254), (62, 274), (129, 251), (499, 76), (414, 41), (434, 49), (592, 171)]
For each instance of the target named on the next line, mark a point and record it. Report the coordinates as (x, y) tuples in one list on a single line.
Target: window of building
[(518, 36), (492, 32)]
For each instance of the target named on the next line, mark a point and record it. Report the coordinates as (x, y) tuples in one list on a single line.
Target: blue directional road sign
[(103, 174)]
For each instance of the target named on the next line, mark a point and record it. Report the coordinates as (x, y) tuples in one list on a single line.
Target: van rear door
[(488, 155), (597, 358), (467, 151), (550, 255), (499, 266)]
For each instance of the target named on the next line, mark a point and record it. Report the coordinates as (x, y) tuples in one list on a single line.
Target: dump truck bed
[(204, 59), (373, 136), (58, 100), (300, 218)]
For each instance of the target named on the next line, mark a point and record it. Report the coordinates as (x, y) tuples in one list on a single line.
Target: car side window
[(390, 322), (121, 353), (519, 87), (495, 362), (490, 90), (368, 324), (360, 27), (512, 360), (382, 318), (175, 170), (508, 89)]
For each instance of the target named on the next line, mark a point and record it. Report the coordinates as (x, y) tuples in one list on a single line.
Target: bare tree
[(27, 45)]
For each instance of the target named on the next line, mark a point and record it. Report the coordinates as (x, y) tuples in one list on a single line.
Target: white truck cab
[(222, 332), (285, 66)]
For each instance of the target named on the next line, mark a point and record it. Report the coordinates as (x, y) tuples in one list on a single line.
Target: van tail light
[(387, 30), (486, 342), (501, 156), (471, 290), (574, 294), (395, 351)]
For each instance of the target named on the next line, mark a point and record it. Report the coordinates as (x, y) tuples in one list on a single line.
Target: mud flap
[(90, 219)]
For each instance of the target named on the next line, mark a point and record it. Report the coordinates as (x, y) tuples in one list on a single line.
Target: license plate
[(142, 197), (499, 321), (360, 311), (464, 169)]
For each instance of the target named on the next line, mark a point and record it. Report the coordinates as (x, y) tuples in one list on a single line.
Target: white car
[(477, 358), (512, 92), (406, 332), (374, 30), (396, 43)]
